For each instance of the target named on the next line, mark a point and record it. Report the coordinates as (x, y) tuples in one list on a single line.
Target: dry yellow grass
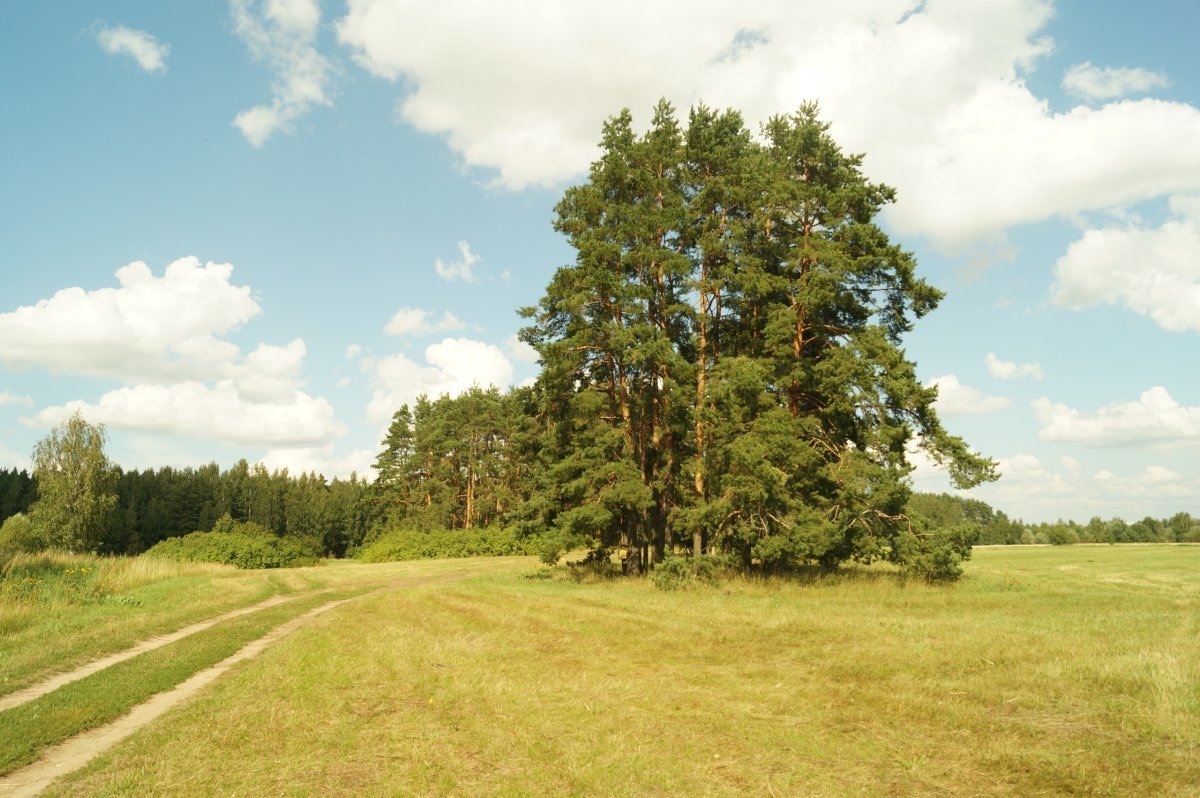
[(1037, 675)]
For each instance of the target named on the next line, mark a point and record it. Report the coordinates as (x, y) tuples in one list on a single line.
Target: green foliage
[(722, 361), (48, 579), (75, 486), (248, 547), (18, 534), (681, 573), (414, 544)]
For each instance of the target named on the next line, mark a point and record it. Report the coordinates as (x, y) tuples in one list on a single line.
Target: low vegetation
[(413, 544), (240, 544), (1045, 671)]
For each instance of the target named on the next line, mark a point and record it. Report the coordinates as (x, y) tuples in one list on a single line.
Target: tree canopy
[(75, 484), (722, 363)]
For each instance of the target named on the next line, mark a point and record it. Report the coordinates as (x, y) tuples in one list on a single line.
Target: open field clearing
[(77, 608), (1071, 670), (63, 704)]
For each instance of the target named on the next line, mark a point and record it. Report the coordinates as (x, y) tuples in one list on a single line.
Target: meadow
[(1045, 671)]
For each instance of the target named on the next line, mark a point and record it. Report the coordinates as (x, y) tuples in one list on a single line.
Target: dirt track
[(77, 751), (36, 691)]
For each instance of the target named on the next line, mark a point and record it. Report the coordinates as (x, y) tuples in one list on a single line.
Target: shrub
[(682, 572), (411, 544), (244, 549), (18, 534)]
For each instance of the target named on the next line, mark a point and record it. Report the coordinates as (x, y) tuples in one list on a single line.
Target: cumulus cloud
[(217, 412), (147, 328), (9, 398), (162, 336), (271, 373), (933, 92), (956, 399), (458, 270), (1155, 417), (282, 35), (321, 460), (1154, 272), (415, 321), (150, 54), (1153, 482), (1109, 83), (353, 351), (1008, 370), (519, 350), (452, 366)]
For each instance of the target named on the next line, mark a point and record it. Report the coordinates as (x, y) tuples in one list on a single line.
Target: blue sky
[(254, 229)]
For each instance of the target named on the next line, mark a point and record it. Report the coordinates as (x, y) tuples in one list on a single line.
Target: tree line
[(722, 374), (127, 512)]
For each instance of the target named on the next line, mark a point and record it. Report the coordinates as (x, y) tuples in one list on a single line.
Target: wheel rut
[(76, 751)]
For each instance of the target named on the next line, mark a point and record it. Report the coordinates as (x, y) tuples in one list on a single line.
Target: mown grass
[(64, 610), (60, 610), (1067, 671), (26, 730)]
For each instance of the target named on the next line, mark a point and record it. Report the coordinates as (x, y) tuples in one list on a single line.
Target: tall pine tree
[(735, 312)]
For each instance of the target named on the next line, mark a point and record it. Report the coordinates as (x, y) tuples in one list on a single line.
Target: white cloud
[(281, 34), (148, 328), (415, 321), (1153, 482), (1109, 83), (933, 92), (1153, 272), (9, 398), (150, 54), (219, 412), (956, 399), (162, 336), (453, 366), (1033, 490), (519, 350), (353, 351), (321, 460), (271, 373), (461, 270), (1008, 370), (1155, 417)]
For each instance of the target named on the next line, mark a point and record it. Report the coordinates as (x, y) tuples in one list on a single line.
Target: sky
[(255, 229)]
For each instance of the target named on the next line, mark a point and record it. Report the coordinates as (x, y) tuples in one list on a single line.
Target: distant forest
[(468, 462)]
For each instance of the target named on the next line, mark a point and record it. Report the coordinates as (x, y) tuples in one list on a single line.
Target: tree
[(76, 486), (733, 310)]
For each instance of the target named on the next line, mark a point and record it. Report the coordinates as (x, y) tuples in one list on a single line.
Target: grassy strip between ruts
[(27, 730)]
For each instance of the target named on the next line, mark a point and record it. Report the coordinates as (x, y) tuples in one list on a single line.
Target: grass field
[(1046, 671)]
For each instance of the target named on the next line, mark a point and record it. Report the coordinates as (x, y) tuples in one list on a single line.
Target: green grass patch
[(1044, 672), (26, 730)]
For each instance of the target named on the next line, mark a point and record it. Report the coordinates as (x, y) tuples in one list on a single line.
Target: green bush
[(244, 549), (680, 572), (18, 534), (411, 544)]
